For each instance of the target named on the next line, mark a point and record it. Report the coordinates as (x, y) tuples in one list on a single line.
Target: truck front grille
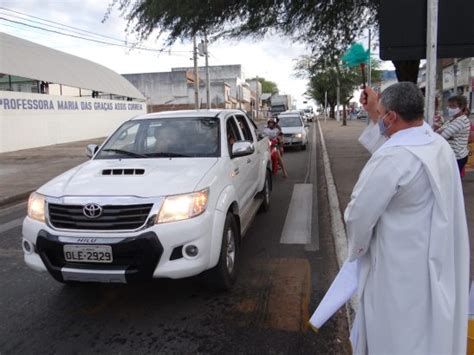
[(113, 217)]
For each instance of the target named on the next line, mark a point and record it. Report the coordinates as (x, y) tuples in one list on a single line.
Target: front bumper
[(155, 252), (291, 141), (134, 259)]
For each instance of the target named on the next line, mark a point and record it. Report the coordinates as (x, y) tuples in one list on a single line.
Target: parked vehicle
[(168, 195), (362, 115), (309, 114), (295, 132)]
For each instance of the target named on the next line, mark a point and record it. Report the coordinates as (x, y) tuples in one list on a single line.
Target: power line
[(63, 25), (56, 27), (91, 39)]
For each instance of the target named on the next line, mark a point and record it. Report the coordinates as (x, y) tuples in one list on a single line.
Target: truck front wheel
[(224, 273)]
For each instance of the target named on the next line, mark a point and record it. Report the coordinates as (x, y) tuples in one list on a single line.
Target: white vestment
[(406, 226), (371, 138)]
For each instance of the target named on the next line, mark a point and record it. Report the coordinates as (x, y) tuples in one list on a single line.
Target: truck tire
[(224, 274), (303, 147), (266, 192)]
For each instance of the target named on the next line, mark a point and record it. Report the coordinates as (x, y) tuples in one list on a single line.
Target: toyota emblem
[(92, 210)]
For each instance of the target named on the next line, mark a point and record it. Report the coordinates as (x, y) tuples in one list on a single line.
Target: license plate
[(88, 253)]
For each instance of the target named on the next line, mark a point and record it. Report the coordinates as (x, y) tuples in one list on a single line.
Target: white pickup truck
[(168, 195)]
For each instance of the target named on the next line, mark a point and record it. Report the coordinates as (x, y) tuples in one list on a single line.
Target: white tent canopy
[(30, 60)]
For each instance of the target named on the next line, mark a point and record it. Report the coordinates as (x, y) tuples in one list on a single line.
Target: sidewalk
[(348, 158), (23, 171)]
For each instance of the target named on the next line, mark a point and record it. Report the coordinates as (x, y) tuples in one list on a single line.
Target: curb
[(5, 201), (337, 224)]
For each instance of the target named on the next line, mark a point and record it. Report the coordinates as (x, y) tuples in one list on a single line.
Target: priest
[(407, 229)]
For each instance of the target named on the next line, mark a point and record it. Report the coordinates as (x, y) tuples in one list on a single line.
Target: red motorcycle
[(274, 153)]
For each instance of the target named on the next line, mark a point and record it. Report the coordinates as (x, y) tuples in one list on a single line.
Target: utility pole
[(257, 98), (455, 76), (325, 106), (431, 56), (196, 75), (338, 93), (369, 74), (471, 89), (208, 79)]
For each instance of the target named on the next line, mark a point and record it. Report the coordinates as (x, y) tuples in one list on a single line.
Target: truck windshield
[(164, 138), (290, 121)]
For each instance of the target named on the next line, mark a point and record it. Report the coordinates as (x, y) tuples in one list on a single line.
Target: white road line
[(313, 177), (337, 224), (5, 211), (297, 228), (10, 225)]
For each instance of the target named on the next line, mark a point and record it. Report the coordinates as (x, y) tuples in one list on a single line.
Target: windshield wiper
[(167, 155), (125, 152)]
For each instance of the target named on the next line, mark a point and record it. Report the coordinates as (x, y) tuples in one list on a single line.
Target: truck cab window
[(233, 134), (244, 126)]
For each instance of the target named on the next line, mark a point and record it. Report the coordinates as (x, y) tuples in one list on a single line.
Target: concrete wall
[(160, 88), (35, 120), (231, 74)]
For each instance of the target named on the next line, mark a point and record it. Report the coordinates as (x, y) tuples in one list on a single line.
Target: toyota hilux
[(167, 195)]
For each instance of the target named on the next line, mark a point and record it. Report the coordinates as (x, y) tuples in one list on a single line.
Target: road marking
[(297, 228), (313, 177), (10, 225), (7, 210)]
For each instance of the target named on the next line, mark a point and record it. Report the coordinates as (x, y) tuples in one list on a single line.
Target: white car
[(295, 132), (168, 195)]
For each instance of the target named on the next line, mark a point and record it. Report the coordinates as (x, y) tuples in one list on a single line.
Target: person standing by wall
[(456, 129)]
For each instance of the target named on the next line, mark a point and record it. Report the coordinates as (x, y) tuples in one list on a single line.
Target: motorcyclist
[(271, 130), (275, 134)]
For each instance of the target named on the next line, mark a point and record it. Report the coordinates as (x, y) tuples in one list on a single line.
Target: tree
[(323, 77), (268, 86), (327, 27), (324, 80)]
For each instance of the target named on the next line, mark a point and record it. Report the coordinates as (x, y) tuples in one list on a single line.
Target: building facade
[(174, 90), (58, 99)]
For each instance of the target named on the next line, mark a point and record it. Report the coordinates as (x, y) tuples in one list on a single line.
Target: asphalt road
[(278, 287)]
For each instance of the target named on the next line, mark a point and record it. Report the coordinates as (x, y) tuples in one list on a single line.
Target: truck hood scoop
[(123, 171)]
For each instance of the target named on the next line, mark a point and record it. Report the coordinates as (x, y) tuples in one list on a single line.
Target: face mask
[(382, 127), (453, 111)]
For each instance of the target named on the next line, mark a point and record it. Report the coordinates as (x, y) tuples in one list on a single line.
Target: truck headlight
[(298, 135), (36, 206), (179, 207)]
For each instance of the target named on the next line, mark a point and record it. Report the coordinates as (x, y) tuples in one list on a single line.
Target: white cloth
[(341, 290), (406, 226), (371, 138)]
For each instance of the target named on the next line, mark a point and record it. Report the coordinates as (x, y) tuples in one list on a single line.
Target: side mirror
[(306, 125), (243, 148), (91, 149)]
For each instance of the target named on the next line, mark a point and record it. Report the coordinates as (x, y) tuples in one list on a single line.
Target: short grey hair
[(404, 98)]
